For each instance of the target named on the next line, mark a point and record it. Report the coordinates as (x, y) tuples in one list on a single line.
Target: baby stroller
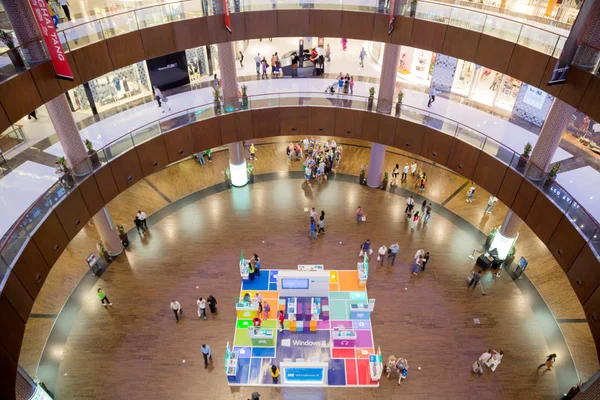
[(331, 88)]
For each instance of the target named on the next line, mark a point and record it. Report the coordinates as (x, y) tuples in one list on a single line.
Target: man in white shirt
[(142, 217), (176, 307), (201, 307), (65, 6), (313, 214), (410, 202), (404, 173), (413, 168), (490, 205), (382, 252), (305, 144), (257, 60)]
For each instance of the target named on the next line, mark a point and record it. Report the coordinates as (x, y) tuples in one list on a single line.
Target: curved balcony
[(523, 51), (43, 232)]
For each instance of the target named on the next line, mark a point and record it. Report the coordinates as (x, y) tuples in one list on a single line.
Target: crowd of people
[(320, 157), (262, 66)]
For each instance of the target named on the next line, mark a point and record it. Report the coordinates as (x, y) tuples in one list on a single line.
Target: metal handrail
[(298, 95)]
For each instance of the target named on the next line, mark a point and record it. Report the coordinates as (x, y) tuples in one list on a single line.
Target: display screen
[(522, 264), (303, 375), (294, 283)]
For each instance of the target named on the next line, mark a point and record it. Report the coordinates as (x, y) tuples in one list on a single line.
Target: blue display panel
[(294, 283), (303, 375)]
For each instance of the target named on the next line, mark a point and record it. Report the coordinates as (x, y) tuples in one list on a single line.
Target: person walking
[(280, 319), (157, 95), (206, 354), (432, 93), (423, 181), (256, 259), (264, 67), (395, 175), (549, 363), (490, 205), (471, 193), (257, 60), (404, 173), (344, 44), (410, 203), (423, 207), (417, 265), (359, 215), (415, 220), (365, 248), (209, 155), (65, 6), (52, 14), (321, 223), (138, 225), (427, 214), (495, 81), (474, 279), (142, 217), (424, 262), (201, 307), (328, 53), (381, 254), (313, 228), (241, 58), (266, 310), (351, 85), (393, 251), (252, 151), (212, 304), (251, 270), (413, 169), (362, 56), (307, 172), (275, 374), (176, 307), (103, 298)]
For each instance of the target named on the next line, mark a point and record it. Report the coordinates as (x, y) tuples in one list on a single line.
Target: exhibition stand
[(300, 373)]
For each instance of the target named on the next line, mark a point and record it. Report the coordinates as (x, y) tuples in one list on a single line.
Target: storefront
[(485, 86), (197, 63), (415, 65), (559, 10), (463, 78)]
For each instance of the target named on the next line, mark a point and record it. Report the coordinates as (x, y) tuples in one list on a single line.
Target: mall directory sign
[(55, 49)]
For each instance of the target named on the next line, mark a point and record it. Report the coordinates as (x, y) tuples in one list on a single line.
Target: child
[(281, 318), (266, 309)]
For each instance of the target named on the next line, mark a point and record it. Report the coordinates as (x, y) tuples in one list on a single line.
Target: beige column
[(511, 225), (25, 26), (108, 232), (229, 85), (387, 79)]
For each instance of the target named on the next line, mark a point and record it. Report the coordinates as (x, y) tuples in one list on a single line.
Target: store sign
[(309, 343), (392, 17), (227, 17), (534, 97), (304, 375), (55, 49)]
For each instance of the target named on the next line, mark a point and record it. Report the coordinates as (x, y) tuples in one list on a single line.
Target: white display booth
[(292, 283)]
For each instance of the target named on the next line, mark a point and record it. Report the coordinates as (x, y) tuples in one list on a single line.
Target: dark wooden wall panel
[(370, 126), (91, 195), (573, 89), (321, 121), (409, 136), (17, 296), (357, 25), (244, 125), (238, 26), (566, 243), (158, 40), (592, 312), (228, 128), (4, 122), (217, 33), (32, 269), (46, 81), (179, 143), (387, 130), (436, 146), (210, 134), (489, 173), (261, 24), (51, 239), (265, 123), (527, 65), (589, 101), (93, 60), (509, 187), (348, 123), (460, 43), (72, 213), (584, 274), (494, 53), (153, 155), (403, 28), (428, 35), (106, 183), (292, 23), (294, 121), (126, 169), (68, 85), (8, 375), (524, 199), (126, 49), (543, 218), (13, 328), (191, 33), (463, 158), (323, 23), (28, 99), (381, 29)]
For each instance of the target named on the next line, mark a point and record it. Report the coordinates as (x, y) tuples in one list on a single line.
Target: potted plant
[(227, 174), (490, 237), (524, 158), (244, 97), (399, 102), (552, 174), (67, 178), (217, 100), (13, 54), (371, 98), (250, 170), (363, 172), (103, 253), (123, 235), (385, 180), (95, 160), (510, 257)]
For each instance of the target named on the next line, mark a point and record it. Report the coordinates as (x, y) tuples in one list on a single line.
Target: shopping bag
[(378, 258), (364, 218), (165, 100), (362, 253)]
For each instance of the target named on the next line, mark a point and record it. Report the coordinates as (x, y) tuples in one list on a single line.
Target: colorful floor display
[(341, 340)]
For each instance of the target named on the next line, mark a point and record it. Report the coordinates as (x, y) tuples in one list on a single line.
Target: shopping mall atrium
[(271, 199)]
